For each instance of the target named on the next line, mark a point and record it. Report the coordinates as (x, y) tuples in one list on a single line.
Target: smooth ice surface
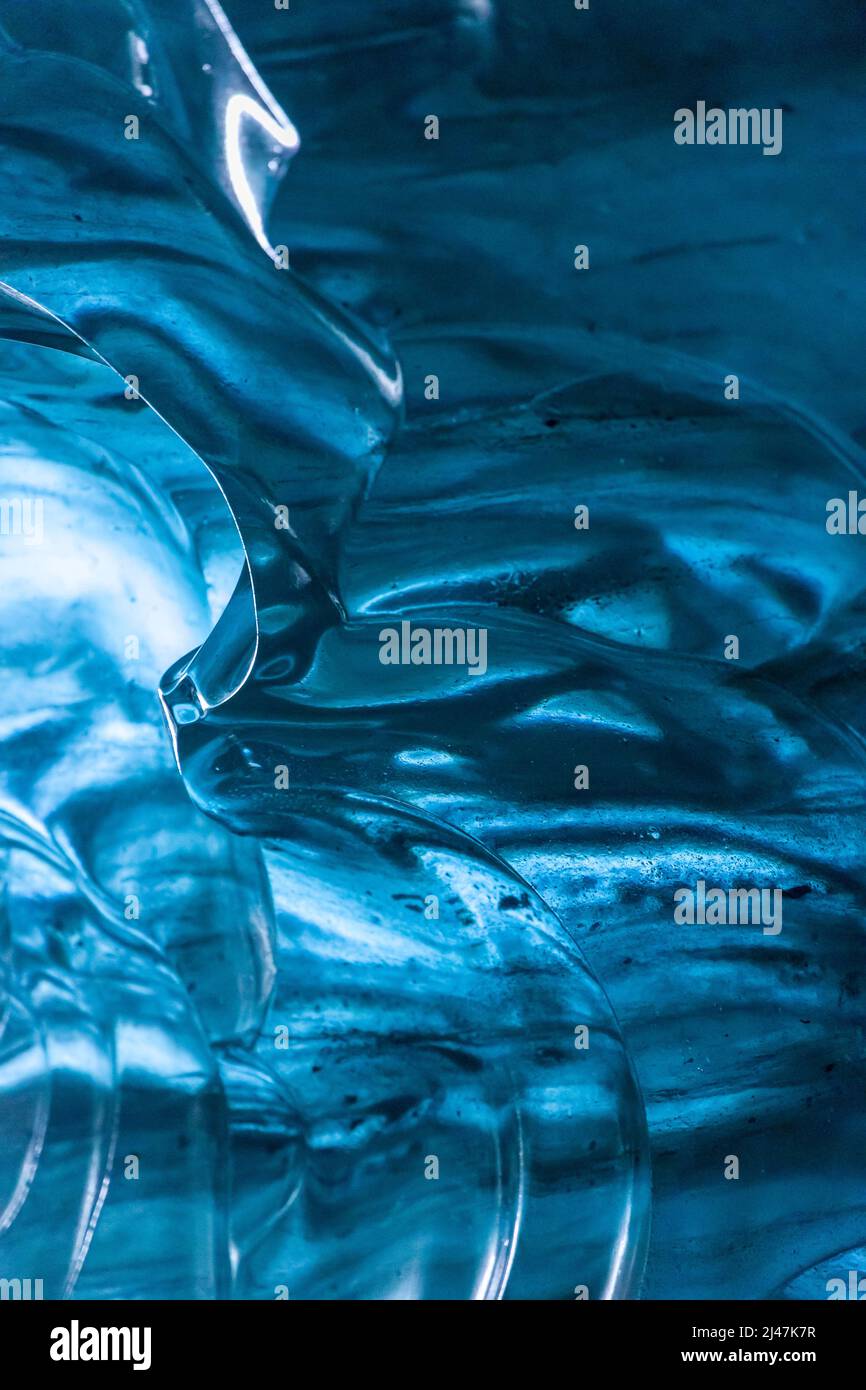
[(295, 968), (335, 1056)]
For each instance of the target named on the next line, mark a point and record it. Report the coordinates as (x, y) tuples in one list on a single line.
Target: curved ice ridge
[(326, 1031), (257, 1047)]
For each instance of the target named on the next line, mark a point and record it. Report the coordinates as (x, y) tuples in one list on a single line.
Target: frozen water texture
[(296, 966)]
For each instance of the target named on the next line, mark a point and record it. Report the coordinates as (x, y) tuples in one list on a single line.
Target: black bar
[(311, 1340)]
